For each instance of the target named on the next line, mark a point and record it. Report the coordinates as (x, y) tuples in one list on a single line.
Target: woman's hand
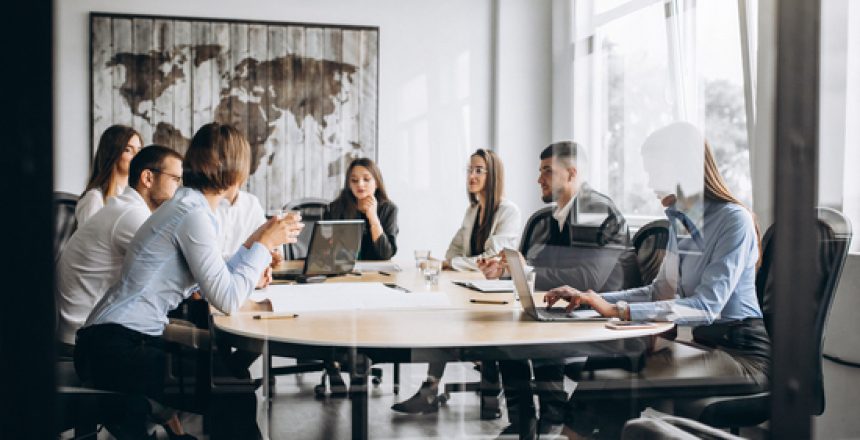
[(575, 298), (368, 206), (265, 279), (492, 268), (277, 231)]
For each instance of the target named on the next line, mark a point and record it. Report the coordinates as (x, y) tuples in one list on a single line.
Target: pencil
[(277, 316), (487, 301)]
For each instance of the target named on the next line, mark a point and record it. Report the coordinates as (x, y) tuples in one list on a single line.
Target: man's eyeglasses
[(177, 179), (480, 171)]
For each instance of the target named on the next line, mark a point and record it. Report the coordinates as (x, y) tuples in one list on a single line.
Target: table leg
[(490, 388), (267, 404), (358, 395)]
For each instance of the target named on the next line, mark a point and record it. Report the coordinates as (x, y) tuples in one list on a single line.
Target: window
[(637, 66)]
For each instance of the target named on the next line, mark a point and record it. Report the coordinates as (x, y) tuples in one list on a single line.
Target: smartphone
[(629, 325)]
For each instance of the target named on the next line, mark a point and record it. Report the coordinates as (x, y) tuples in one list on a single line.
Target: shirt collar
[(560, 213), (130, 195)]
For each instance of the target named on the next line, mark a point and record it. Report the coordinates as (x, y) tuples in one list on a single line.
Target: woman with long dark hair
[(491, 224), (109, 177), (364, 197), (707, 279)]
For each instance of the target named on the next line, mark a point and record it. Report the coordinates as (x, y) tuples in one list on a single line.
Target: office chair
[(734, 412), (312, 210), (64, 220)]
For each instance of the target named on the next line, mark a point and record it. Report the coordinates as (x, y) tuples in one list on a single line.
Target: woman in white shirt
[(491, 224), (119, 347), (117, 146)]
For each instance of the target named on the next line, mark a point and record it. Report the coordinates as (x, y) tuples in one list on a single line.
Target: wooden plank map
[(305, 95)]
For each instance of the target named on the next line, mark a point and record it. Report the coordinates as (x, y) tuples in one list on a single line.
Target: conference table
[(462, 331)]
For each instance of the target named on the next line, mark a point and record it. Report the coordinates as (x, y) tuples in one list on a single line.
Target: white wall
[(524, 95), (435, 93)]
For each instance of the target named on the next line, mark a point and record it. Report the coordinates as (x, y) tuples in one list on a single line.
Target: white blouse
[(504, 233)]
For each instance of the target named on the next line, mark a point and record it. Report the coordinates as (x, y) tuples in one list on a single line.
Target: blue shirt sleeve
[(224, 285)]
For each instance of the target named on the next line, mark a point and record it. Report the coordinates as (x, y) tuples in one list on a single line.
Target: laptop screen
[(518, 275), (334, 247)]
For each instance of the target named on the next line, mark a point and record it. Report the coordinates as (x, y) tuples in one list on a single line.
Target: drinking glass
[(421, 256), (431, 270)]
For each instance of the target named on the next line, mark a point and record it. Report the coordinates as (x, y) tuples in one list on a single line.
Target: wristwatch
[(623, 310)]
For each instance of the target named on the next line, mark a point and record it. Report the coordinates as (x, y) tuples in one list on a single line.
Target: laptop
[(524, 292), (332, 250)]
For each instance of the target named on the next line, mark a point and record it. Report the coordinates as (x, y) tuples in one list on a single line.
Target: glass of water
[(431, 270), (421, 256)]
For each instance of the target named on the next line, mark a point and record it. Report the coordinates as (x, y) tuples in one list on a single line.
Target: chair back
[(834, 238), (312, 210), (650, 243), (64, 220)]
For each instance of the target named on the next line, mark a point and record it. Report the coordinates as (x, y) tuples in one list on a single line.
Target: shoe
[(425, 401), (173, 436), (528, 431)]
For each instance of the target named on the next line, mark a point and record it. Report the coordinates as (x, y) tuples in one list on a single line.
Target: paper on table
[(346, 296), (488, 286), (376, 266)]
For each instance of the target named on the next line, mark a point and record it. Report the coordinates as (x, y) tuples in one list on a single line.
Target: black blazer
[(386, 245)]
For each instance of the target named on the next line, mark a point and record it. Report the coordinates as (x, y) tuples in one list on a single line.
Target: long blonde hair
[(717, 190)]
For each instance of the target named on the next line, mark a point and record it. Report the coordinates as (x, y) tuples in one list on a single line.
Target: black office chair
[(312, 209), (734, 412), (64, 220)]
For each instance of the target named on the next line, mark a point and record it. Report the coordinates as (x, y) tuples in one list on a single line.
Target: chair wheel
[(443, 398), (376, 381)]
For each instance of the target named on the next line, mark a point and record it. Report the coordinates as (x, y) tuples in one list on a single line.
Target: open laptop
[(524, 292), (332, 250)]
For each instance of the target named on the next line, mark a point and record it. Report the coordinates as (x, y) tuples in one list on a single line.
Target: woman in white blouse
[(117, 146), (491, 224)]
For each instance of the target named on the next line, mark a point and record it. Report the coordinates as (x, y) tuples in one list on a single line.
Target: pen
[(384, 273), (487, 301), (277, 316)]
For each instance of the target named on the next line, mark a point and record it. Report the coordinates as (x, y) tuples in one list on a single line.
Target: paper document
[(376, 266), (488, 286), (346, 296)]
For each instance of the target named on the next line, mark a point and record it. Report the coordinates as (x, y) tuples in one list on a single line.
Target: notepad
[(487, 286), (376, 266), (347, 296)]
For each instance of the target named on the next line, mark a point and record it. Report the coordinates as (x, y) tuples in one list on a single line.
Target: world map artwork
[(305, 96)]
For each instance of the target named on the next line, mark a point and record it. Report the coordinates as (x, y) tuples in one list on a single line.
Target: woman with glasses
[(117, 146), (491, 224)]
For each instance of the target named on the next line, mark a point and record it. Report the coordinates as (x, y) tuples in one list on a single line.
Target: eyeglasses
[(177, 179), (480, 171)]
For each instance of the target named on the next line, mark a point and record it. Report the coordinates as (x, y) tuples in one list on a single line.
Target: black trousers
[(115, 358), (549, 384)]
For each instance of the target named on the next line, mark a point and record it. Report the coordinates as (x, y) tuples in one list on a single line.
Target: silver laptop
[(524, 292)]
